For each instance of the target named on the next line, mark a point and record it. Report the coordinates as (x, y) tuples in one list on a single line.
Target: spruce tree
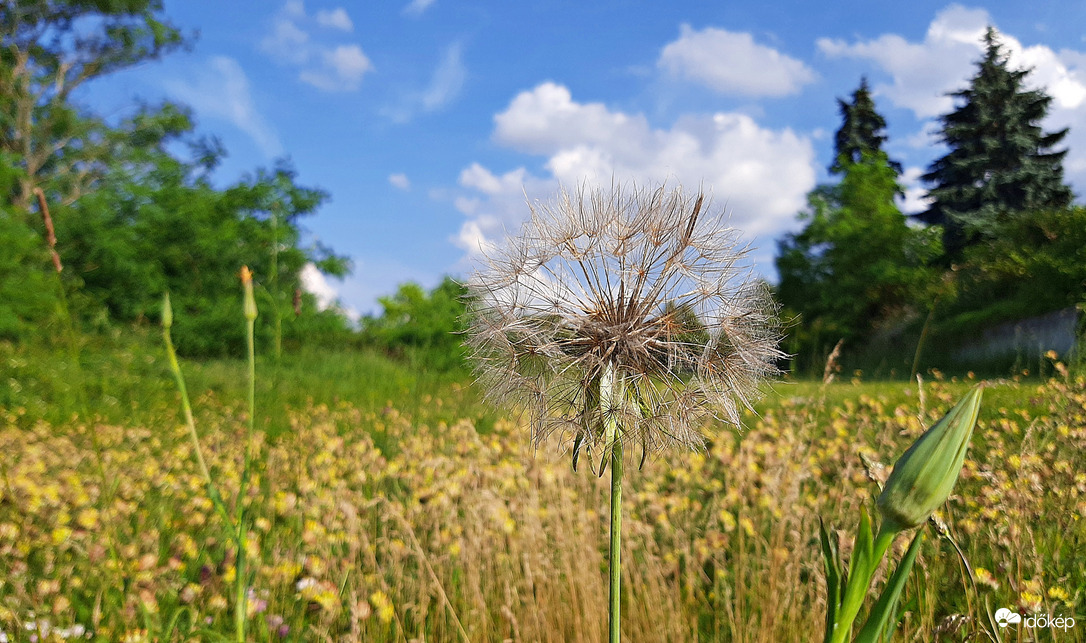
[(1000, 164), (862, 131)]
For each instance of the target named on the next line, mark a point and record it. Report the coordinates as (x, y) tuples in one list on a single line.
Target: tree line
[(1000, 240)]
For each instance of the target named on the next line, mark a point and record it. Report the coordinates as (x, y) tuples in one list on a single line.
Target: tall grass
[(447, 526)]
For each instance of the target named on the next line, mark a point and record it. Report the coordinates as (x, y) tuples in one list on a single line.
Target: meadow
[(387, 504)]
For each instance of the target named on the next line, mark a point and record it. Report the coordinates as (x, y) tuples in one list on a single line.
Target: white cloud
[(732, 63), (417, 7), (221, 90), (447, 81), (923, 73), (315, 283), (324, 65), (761, 175), (342, 70), (444, 87), (287, 41), (916, 194), (335, 19), (399, 181)]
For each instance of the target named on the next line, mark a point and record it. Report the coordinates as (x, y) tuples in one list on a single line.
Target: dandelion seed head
[(645, 282)]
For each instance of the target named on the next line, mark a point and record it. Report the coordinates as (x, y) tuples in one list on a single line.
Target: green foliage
[(422, 327), (1000, 164), (50, 49), (857, 267), (29, 288), (133, 218), (156, 224), (1034, 265)]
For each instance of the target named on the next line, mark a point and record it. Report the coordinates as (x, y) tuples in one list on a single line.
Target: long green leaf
[(881, 616), (860, 568), (831, 560)]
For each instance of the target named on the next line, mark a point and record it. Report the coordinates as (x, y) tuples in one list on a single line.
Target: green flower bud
[(249, 301), (167, 312), (924, 476)]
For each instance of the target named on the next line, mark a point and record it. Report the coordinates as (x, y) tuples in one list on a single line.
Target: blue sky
[(430, 121)]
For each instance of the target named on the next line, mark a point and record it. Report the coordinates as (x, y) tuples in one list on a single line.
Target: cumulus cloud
[(399, 181), (326, 66), (761, 175), (444, 87), (220, 90), (923, 73), (732, 63)]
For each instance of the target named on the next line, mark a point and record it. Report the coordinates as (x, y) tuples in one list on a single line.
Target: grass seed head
[(644, 283)]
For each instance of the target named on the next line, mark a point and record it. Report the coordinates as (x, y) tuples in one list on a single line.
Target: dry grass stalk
[(50, 234)]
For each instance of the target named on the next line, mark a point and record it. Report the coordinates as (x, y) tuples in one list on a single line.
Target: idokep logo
[(1005, 618)]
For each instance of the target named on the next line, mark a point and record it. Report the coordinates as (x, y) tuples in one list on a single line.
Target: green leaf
[(831, 559), (860, 568), (880, 622), (577, 448), (864, 549)]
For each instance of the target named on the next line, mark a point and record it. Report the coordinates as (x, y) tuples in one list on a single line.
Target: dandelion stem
[(616, 544), (612, 392)]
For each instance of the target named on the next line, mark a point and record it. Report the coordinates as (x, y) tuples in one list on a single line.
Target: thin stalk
[(920, 342), (614, 624), (171, 356), (241, 535), (612, 394), (274, 277), (233, 523)]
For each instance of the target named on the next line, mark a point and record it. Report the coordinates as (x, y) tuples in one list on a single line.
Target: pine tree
[(1000, 164), (862, 131)]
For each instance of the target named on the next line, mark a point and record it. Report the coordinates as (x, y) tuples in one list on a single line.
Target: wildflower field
[(385, 506)]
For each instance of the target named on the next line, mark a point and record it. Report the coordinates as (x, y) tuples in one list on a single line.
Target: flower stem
[(612, 397), (861, 570), (616, 543), (241, 602)]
